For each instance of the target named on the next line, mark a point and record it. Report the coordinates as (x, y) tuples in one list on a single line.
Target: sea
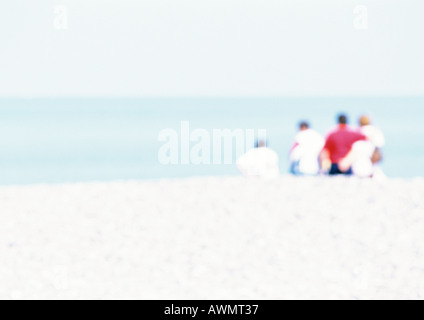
[(107, 139)]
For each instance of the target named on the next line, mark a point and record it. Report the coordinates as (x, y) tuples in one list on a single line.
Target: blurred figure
[(304, 155), (260, 162), (338, 145), (373, 133), (365, 155)]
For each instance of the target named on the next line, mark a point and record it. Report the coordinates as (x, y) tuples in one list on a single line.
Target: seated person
[(365, 155), (260, 162), (304, 155), (338, 145)]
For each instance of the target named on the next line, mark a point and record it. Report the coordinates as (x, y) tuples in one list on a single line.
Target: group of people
[(345, 151)]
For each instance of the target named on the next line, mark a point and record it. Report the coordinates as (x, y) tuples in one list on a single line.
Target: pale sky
[(211, 48)]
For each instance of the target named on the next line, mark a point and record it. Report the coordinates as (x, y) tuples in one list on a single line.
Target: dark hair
[(343, 119), (304, 125), (261, 144)]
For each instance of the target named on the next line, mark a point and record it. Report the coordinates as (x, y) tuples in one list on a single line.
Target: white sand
[(214, 238)]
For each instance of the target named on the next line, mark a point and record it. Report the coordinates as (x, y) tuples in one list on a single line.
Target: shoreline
[(220, 177)]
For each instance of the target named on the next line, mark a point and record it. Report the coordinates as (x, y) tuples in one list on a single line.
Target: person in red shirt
[(338, 145)]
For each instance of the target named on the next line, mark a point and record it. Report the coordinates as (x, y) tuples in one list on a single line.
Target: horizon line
[(129, 97)]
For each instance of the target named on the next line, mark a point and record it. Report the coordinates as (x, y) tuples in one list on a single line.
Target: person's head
[(364, 121), (304, 126), (261, 144), (342, 119)]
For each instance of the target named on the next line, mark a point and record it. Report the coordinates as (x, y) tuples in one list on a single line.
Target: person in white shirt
[(304, 155), (365, 155), (374, 134), (260, 162)]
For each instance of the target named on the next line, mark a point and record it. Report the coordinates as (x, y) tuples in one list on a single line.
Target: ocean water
[(78, 140)]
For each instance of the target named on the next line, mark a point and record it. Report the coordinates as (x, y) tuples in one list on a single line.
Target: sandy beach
[(214, 238)]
